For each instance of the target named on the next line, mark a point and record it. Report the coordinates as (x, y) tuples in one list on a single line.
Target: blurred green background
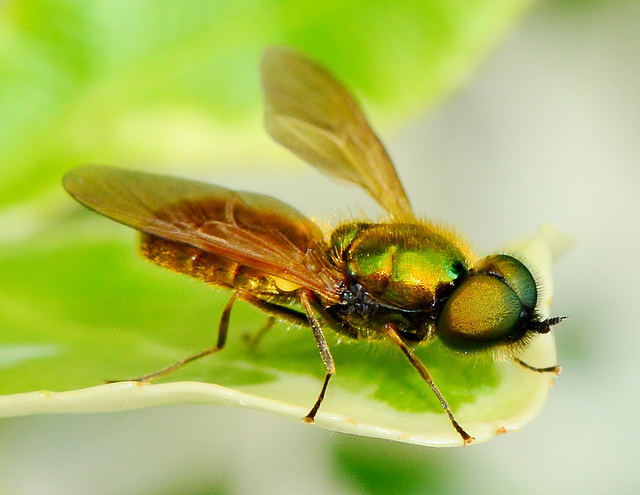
[(545, 130)]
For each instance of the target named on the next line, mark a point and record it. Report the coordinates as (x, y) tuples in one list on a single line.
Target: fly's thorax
[(493, 308), (404, 265)]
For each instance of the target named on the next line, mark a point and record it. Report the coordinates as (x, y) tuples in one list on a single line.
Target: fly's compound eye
[(492, 306), (515, 274)]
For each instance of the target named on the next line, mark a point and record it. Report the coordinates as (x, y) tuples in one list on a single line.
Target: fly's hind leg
[(223, 330)]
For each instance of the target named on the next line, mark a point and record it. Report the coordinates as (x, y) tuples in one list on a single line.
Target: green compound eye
[(515, 274), (482, 312)]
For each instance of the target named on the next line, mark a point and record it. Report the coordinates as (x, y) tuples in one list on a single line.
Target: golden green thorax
[(404, 265)]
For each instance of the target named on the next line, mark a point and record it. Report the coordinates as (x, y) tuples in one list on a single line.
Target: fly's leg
[(275, 311), (325, 353), (252, 340), (281, 312), (544, 327), (426, 376), (549, 369), (223, 330), (307, 319)]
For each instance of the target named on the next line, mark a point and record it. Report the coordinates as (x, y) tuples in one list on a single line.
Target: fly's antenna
[(545, 325)]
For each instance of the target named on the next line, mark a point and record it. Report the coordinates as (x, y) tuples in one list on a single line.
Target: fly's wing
[(311, 114), (255, 230)]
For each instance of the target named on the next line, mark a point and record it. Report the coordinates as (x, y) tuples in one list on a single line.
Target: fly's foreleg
[(549, 369)]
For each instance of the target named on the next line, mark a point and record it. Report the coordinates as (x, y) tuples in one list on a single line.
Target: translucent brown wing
[(255, 230), (311, 114)]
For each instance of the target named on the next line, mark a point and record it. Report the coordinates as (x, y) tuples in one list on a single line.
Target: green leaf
[(100, 313)]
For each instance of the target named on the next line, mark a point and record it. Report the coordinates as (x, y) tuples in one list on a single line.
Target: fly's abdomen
[(210, 267)]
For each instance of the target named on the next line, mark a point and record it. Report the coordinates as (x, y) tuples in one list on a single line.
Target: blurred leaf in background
[(175, 84), (378, 468)]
